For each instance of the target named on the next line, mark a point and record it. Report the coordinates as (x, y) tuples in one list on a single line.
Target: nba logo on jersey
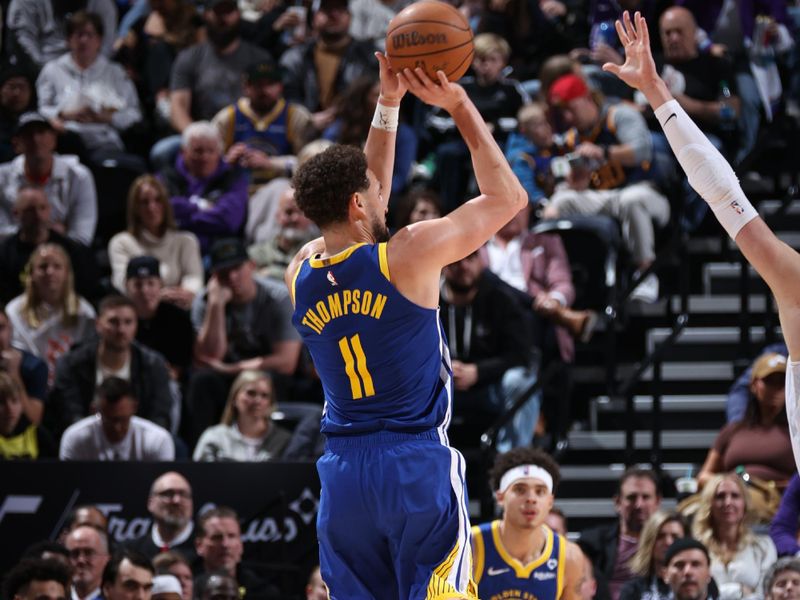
[(552, 564), (332, 279)]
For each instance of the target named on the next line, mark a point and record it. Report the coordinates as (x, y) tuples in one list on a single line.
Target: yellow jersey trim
[(562, 564), (321, 263), (479, 554), (522, 571), (294, 281), (259, 123), (383, 260), (230, 121)]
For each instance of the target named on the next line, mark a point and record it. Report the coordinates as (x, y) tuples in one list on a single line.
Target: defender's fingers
[(623, 36), (644, 32), (629, 28)]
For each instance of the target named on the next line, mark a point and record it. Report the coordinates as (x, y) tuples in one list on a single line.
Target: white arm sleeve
[(708, 172)]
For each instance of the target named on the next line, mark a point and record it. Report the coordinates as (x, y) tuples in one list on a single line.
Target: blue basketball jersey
[(501, 576), (383, 360), (270, 135)]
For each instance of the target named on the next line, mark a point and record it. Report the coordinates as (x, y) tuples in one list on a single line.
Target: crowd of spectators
[(168, 336)]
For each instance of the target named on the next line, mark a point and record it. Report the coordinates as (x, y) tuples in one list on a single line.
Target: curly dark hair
[(324, 185), (523, 456), (35, 569)]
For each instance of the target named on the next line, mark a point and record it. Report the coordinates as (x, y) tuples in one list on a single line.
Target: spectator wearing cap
[(207, 77), (689, 570), (115, 433), (16, 97), (161, 325), (262, 132), (84, 93), (68, 184), (320, 69), (37, 29), (113, 353), (614, 176), (760, 441), (152, 232), (32, 211), (242, 323), (208, 196), (739, 394)]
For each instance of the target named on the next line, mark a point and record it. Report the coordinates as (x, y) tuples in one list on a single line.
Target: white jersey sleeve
[(793, 406)]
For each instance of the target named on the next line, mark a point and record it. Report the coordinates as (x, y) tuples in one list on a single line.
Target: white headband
[(523, 471)]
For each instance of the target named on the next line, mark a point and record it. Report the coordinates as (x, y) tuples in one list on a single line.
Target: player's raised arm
[(713, 178), (382, 135), (502, 196)]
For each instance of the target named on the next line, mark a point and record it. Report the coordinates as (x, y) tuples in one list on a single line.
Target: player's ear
[(498, 495), (356, 205)]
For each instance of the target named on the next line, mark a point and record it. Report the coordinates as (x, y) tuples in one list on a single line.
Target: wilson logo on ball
[(415, 38)]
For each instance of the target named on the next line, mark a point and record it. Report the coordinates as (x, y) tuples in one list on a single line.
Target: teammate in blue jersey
[(519, 557), (392, 520)]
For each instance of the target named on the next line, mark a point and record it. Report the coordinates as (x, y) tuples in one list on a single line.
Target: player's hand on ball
[(392, 87), (442, 93)]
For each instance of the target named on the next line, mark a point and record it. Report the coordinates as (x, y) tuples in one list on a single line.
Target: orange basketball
[(432, 35)]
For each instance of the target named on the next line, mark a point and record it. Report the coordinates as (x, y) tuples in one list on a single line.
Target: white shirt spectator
[(51, 339), (70, 191), (33, 25), (62, 85), (145, 441)]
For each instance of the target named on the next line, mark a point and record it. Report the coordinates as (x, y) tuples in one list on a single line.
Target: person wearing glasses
[(171, 505), (88, 555)]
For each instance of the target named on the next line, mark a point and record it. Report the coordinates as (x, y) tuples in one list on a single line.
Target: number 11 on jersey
[(354, 360)]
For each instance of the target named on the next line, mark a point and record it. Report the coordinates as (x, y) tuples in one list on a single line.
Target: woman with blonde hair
[(152, 232), (739, 558), (246, 431), (48, 317), (658, 533)]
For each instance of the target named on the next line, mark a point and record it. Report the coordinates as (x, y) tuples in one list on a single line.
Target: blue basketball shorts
[(393, 520)]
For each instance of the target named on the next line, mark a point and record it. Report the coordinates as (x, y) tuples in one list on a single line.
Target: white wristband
[(386, 117)]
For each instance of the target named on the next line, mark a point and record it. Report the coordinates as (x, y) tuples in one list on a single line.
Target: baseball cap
[(166, 584), (327, 4), (228, 252), (768, 364), (225, 5), (29, 119), (567, 87), (264, 71), (682, 544), (142, 266)]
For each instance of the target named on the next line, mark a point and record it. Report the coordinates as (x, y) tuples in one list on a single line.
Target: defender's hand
[(639, 69)]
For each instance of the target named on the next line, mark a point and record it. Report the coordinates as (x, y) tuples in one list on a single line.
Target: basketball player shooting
[(713, 178), (392, 521)]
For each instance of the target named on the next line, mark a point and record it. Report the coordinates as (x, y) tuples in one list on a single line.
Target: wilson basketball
[(432, 35)]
